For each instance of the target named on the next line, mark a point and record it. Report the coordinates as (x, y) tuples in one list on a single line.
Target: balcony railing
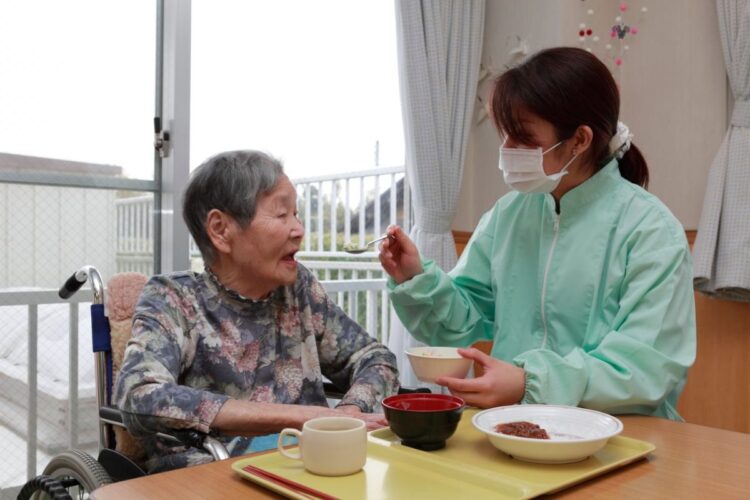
[(341, 208)]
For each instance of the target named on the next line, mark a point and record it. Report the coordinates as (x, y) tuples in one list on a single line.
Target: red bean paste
[(522, 429)]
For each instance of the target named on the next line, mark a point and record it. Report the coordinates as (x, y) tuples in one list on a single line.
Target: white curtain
[(439, 51), (722, 246)]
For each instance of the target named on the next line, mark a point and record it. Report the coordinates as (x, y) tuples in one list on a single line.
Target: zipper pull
[(557, 222)]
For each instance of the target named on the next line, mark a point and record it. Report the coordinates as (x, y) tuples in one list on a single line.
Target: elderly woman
[(240, 350)]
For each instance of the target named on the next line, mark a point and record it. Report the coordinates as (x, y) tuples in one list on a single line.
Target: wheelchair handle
[(76, 281), (71, 286)]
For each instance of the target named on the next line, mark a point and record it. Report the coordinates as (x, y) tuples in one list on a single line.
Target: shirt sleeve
[(349, 356), (147, 390), (456, 308), (634, 367)]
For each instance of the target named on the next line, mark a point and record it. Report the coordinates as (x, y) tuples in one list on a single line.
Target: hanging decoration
[(609, 42), (619, 35)]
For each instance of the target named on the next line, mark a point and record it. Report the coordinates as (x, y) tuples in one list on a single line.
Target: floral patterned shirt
[(196, 344)]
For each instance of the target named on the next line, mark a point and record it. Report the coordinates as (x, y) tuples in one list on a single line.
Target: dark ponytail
[(568, 87), (633, 167)]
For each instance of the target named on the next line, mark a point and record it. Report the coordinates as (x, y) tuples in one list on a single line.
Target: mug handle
[(280, 443)]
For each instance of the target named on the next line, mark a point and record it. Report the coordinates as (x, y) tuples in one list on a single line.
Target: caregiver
[(580, 277)]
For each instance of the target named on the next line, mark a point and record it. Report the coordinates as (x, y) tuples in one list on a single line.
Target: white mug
[(329, 446)]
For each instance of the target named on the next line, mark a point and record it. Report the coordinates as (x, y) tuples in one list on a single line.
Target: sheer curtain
[(439, 50), (722, 246)]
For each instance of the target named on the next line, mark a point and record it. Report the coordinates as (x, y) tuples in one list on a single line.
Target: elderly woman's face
[(264, 250)]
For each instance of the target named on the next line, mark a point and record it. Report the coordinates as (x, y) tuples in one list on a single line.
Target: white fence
[(359, 289), (351, 207), (135, 234)]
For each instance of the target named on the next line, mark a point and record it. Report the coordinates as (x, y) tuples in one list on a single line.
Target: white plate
[(575, 433)]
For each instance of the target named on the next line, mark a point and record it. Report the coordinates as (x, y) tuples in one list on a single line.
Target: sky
[(313, 83)]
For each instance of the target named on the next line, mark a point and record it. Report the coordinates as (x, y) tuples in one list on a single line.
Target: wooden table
[(690, 461)]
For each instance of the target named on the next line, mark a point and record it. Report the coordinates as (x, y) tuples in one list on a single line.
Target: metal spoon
[(351, 248)]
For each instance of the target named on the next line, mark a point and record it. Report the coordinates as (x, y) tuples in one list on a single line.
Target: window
[(78, 82), (312, 83)]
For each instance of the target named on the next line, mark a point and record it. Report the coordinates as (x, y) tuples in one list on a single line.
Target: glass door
[(78, 181)]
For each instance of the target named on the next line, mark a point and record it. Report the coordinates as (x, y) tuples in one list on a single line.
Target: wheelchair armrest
[(201, 441), (190, 438), (332, 391), (111, 415)]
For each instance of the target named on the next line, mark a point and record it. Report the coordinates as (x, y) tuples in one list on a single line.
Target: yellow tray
[(468, 467)]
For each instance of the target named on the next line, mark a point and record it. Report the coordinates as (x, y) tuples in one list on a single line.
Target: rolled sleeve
[(374, 377)]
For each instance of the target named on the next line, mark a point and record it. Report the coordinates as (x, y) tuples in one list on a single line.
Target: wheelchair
[(77, 472)]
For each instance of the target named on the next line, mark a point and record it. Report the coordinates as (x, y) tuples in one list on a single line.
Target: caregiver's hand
[(501, 384), (399, 256)]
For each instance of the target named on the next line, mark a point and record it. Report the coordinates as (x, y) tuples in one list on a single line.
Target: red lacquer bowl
[(423, 421)]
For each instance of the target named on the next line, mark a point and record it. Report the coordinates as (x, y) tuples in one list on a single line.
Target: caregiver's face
[(541, 134)]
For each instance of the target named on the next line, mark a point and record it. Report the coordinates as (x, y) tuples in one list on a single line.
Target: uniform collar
[(599, 184)]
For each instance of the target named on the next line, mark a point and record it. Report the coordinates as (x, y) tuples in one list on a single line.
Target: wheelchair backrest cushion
[(123, 291)]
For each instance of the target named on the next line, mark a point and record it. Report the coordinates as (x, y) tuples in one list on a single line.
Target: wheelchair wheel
[(77, 472), (44, 486)]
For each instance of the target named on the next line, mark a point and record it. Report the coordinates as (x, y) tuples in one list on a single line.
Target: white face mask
[(523, 169)]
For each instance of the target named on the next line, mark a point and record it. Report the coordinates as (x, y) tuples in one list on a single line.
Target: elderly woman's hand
[(272, 417), (399, 255), (373, 420), (501, 384)]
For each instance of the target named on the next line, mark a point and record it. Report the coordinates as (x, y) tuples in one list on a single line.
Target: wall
[(673, 91), (717, 393), (538, 23)]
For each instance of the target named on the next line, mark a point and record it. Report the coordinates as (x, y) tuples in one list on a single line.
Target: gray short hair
[(231, 182)]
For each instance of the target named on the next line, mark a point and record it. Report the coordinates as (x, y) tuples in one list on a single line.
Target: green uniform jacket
[(596, 303)]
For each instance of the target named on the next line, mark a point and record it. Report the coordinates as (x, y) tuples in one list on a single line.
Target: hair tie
[(620, 142)]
